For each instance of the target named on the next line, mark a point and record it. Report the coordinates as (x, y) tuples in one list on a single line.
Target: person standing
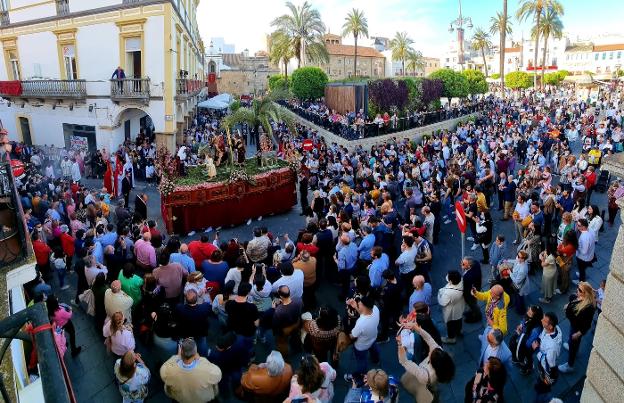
[(580, 312), (133, 377), (126, 187), (471, 279), (346, 260), (188, 377), (548, 347), (364, 334), (406, 262), (586, 249), (451, 299)]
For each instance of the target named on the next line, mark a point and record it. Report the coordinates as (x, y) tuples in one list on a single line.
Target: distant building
[(371, 63), (241, 74), (222, 47)]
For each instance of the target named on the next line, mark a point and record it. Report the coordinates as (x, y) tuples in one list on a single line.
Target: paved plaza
[(92, 375)]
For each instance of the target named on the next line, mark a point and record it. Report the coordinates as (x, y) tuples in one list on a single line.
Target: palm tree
[(415, 61), (481, 41), (357, 25), (305, 28), (550, 25), (281, 50), (502, 26), (401, 46), (534, 9)]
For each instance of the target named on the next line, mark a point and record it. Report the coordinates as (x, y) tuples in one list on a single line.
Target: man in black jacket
[(472, 278), (126, 187)]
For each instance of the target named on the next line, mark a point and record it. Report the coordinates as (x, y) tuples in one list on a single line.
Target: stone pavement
[(92, 375)]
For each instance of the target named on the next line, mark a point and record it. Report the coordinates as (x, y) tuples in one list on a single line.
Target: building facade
[(370, 62), (59, 81), (242, 74)]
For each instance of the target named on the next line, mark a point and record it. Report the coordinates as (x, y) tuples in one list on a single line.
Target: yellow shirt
[(193, 383)]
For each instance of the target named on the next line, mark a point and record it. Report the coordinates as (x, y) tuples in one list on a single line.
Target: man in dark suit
[(472, 278), (126, 186)]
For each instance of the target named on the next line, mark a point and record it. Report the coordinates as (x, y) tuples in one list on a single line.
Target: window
[(610, 55), (596, 56), (69, 59), (604, 55), (619, 55), (15, 67)]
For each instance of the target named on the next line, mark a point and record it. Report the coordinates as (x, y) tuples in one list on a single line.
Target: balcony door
[(25, 129), (133, 57), (69, 58), (14, 66)]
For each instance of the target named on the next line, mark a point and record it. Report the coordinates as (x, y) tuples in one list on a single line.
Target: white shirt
[(294, 283), (365, 330)]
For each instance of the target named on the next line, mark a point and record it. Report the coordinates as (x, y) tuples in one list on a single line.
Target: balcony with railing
[(187, 88), (75, 89), (62, 7), (130, 89), (4, 18)]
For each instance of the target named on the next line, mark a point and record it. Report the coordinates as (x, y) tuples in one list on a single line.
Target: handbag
[(88, 298)]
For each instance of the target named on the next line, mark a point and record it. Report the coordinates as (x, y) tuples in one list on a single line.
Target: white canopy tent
[(219, 102)]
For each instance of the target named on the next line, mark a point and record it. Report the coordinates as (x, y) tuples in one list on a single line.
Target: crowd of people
[(372, 221), (357, 124)]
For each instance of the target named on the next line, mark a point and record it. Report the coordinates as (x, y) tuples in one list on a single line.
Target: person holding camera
[(132, 376)]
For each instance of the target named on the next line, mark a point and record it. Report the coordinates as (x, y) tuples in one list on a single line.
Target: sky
[(245, 23)]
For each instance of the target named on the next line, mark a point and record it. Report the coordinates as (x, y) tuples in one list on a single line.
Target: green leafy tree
[(534, 9), (501, 25), (415, 61), (518, 80), (481, 42), (401, 47), (555, 78), (454, 84), (550, 25), (281, 49), (278, 81), (308, 83), (355, 24), (304, 27), (476, 82), (414, 92)]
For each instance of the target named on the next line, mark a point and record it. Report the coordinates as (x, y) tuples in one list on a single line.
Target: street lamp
[(459, 24)]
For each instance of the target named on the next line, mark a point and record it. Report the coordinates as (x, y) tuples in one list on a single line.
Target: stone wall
[(415, 134), (605, 369)]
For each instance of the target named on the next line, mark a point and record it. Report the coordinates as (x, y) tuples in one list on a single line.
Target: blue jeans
[(361, 360), (61, 276)]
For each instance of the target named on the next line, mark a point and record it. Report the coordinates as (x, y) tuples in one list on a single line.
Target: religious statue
[(211, 169), (239, 146), (266, 147)]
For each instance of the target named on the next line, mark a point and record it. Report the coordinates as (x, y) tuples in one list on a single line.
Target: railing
[(4, 18), (54, 88), (62, 7), (130, 88), (132, 1), (186, 87)]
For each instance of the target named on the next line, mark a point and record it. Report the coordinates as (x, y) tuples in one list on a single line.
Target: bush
[(308, 83), (414, 91), (431, 93), (278, 81), (555, 78), (388, 94), (454, 84), (476, 82), (518, 80), (495, 76)]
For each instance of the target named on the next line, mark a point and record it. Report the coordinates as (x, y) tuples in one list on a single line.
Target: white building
[(59, 58), (451, 57)]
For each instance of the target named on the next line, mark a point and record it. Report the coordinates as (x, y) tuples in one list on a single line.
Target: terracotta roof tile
[(514, 49), (349, 50), (606, 48)]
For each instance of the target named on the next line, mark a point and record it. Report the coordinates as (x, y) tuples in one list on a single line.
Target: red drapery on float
[(221, 204)]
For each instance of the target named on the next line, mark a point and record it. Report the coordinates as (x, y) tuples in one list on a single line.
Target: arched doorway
[(132, 123)]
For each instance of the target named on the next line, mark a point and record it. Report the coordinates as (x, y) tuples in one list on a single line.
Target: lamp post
[(459, 24)]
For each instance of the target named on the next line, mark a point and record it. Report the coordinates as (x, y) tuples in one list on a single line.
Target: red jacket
[(67, 242), (590, 179), (200, 251), (42, 252)]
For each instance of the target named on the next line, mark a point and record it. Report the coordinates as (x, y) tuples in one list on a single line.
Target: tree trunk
[(503, 35), (484, 62), (286, 71), (403, 67), (544, 60), (355, 57), (538, 18)]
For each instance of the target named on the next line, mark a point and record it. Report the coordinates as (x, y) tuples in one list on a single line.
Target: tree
[(431, 91), (415, 61), (495, 76), (308, 83), (502, 26), (533, 9), (454, 84), (388, 94), (476, 82), (401, 46), (550, 25), (555, 78), (414, 91), (305, 29), (278, 82), (355, 24), (281, 49), (518, 80), (481, 42)]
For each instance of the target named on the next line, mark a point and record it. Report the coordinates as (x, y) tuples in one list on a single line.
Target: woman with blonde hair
[(197, 282), (580, 312), (118, 334)]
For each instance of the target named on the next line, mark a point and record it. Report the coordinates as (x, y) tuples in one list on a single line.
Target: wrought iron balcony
[(62, 7), (187, 88), (4, 18), (130, 89), (74, 89)]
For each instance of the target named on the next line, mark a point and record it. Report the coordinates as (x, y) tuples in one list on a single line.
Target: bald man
[(496, 303), (145, 253), (115, 300), (184, 258), (346, 259), (422, 292)]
